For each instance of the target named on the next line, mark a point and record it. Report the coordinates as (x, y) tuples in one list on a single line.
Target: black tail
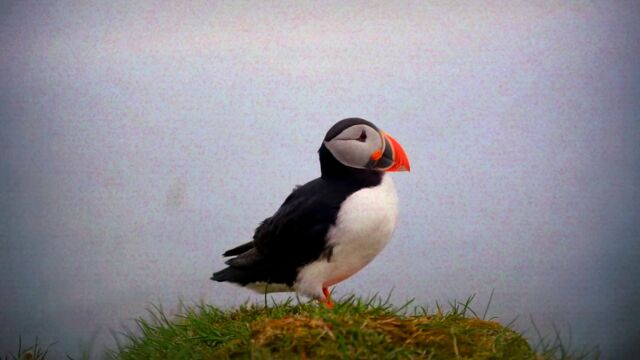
[(234, 275), (239, 249), (244, 267)]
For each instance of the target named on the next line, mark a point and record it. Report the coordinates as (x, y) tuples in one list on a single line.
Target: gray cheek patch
[(374, 139), (348, 152), (348, 148)]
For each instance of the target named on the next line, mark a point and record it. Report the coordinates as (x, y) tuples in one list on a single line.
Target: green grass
[(354, 329)]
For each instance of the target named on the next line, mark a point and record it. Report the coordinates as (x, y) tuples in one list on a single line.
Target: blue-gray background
[(140, 139)]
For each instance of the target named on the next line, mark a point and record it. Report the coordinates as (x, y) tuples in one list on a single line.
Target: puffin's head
[(357, 143)]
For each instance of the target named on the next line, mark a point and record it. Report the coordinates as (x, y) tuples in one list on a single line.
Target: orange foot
[(327, 298)]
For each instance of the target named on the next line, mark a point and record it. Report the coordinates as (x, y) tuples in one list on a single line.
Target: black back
[(296, 234)]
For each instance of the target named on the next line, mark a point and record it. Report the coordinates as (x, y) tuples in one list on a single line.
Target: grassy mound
[(353, 329)]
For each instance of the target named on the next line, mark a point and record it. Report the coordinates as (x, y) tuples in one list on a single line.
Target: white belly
[(363, 227)]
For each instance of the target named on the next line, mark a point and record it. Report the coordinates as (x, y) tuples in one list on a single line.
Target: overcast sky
[(140, 141)]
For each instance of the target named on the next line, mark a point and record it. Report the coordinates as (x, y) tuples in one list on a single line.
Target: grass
[(33, 352), (354, 329)]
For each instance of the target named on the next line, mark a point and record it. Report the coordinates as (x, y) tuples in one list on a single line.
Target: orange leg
[(327, 298)]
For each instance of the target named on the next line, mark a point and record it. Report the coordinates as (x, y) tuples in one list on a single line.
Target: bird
[(328, 229)]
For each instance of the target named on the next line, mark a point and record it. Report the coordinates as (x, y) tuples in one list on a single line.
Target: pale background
[(140, 141)]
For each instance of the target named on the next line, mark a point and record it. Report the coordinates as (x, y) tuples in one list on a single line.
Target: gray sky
[(139, 141)]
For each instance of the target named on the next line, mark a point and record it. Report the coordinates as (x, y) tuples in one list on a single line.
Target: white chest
[(363, 227)]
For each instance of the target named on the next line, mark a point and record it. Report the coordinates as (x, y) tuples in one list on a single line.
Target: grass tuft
[(355, 328)]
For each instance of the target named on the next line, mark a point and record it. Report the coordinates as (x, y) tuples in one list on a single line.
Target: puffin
[(328, 229)]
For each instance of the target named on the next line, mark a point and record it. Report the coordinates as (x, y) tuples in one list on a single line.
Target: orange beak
[(400, 159), (391, 157)]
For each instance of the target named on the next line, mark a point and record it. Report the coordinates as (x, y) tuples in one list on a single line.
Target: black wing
[(294, 236)]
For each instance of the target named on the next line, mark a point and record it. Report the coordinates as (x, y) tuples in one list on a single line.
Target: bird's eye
[(363, 136)]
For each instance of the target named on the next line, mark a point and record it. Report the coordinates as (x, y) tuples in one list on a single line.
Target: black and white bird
[(331, 227)]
